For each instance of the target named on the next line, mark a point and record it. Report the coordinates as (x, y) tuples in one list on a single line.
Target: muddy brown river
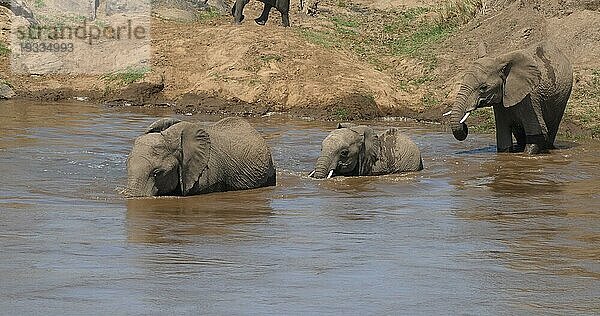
[(474, 233)]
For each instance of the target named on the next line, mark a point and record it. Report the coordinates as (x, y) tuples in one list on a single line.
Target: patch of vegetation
[(321, 38), (342, 114), (584, 105), (126, 76), (345, 26), (459, 11), (6, 82), (429, 100), (209, 14), (406, 84), (39, 3), (4, 50), (483, 121), (270, 57)]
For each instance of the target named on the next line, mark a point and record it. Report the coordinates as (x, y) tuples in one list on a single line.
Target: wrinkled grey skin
[(283, 6), (528, 90), (356, 150), (183, 158)]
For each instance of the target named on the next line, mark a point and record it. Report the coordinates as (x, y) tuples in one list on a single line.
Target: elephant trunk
[(323, 168), (460, 111), (137, 187)]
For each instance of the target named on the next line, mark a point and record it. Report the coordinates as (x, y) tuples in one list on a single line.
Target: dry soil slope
[(261, 64)]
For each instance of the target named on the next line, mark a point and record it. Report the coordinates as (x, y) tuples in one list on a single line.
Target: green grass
[(4, 50), (207, 15), (126, 76), (342, 114), (483, 121), (429, 101), (6, 82), (321, 38), (270, 57), (39, 3), (584, 105)]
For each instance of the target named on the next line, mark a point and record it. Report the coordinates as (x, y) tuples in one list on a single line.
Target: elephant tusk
[(465, 117), (311, 174), (447, 113), (330, 174)]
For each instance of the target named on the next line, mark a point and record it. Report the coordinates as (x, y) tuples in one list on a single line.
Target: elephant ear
[(520, 75), (195, 151), (345, 125), (369, 152), (161, 125)]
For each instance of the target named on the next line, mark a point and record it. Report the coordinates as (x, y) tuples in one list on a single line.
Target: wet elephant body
[(528, 90), (356, 150), (183, 158)]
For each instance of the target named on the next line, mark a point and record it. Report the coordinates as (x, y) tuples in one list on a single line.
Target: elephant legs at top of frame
[(264, 16), (285, 17), (238, 9)]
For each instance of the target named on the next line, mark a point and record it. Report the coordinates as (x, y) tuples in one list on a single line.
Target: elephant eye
[(483, 87), (344, 153), (155, 173)]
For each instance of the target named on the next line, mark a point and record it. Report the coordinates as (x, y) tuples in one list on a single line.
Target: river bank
[(352, 61)]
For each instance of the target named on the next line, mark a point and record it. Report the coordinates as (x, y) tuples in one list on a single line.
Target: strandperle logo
[(90, 33), (69, 36)]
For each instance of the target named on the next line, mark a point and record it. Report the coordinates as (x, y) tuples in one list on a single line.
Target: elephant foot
[(517, 148), (260, 22), (534, 149)]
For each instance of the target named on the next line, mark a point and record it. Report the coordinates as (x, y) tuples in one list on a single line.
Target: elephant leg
[(238, 9), (283, 6), (503, 130), (264, 16), (553, 118), (520, 136), (285, 19), (536, 133)]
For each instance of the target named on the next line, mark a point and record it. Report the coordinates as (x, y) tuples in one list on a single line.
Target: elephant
[(528, 90), (356, 150), (175, 157), (283, 6)]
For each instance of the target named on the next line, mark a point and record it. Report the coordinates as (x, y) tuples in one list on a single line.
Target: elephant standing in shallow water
[(356, 150), (528, 90), (183, 158)]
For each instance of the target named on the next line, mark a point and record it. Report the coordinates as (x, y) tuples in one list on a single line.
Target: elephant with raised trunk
[(174, 157), (528, 90), (356, 150)]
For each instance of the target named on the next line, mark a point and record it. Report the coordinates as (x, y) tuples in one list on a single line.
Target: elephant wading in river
[(183, 158), (283, 6), (528, 90), (356, 150)]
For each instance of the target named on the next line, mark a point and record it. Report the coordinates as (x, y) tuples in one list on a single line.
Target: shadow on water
[(184, 219)]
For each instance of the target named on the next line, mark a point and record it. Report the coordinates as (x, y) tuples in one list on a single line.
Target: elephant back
[(556, 70), (398, 152), (244, 153)]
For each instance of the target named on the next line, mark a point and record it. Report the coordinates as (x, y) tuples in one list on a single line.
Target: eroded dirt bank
[(353, 60)]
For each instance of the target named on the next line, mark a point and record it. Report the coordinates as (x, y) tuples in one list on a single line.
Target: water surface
[(476, 232)]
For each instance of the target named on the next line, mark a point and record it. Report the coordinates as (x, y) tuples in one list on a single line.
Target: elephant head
[(505, 80), (348, 150), (170, 158)]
